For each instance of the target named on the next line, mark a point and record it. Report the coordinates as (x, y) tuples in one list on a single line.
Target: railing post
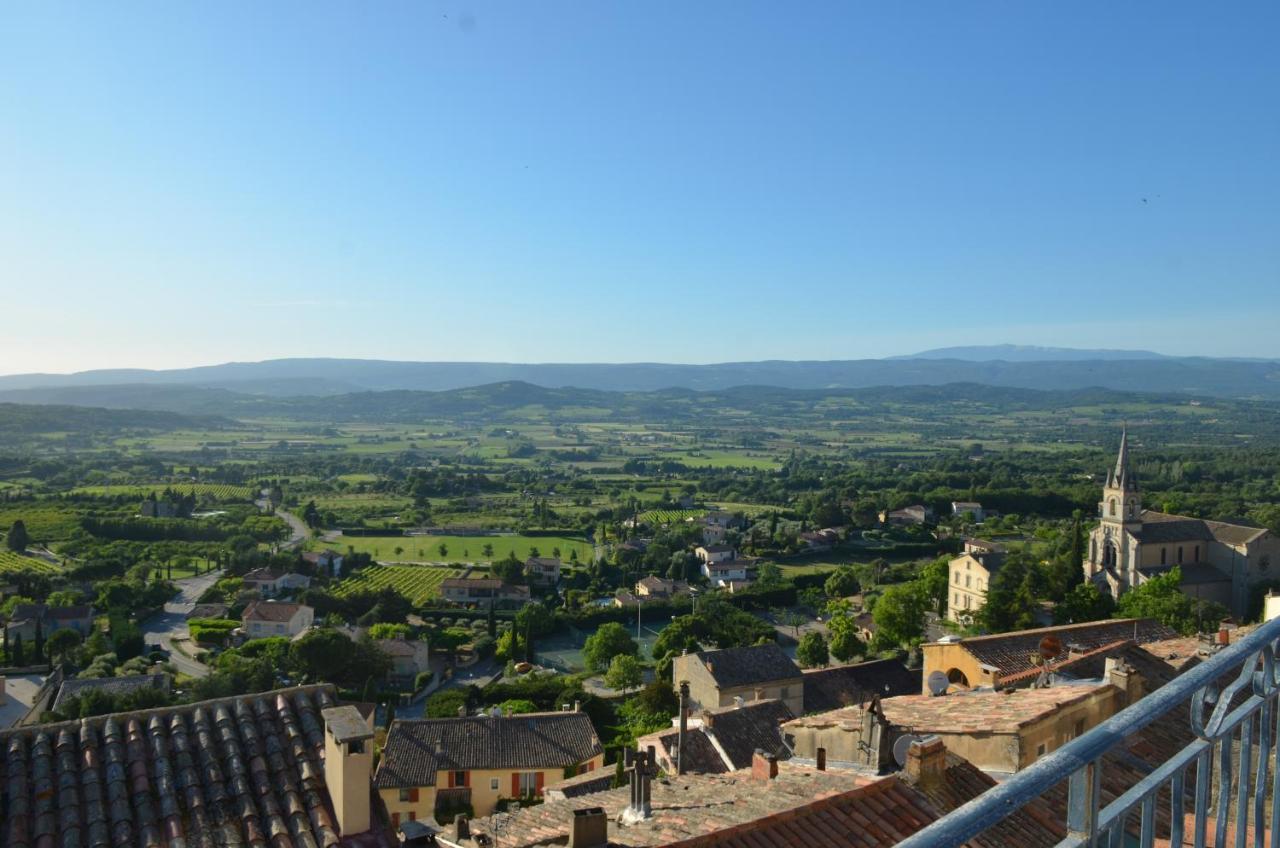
[(1084, 794)]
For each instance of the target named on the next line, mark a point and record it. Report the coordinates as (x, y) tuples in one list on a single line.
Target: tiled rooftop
[(245, 771), (733, 667), (842, 686), (975, 711), (418, 748)]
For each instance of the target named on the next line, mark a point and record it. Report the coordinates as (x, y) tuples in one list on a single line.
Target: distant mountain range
[(1008, 366), (1029, 353)]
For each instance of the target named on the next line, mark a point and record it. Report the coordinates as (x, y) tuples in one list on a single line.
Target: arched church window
[(1113, 506)]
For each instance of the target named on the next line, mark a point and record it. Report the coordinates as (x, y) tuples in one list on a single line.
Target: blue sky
[(192, 183)]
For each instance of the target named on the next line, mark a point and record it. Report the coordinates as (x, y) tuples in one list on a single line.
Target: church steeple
[(1121, 478), (1121, 502)]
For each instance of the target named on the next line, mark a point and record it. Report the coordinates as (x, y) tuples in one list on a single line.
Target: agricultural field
[(46, 521), (670, 516), (217, 491), (418, 583), (456, 548), (9, 561)]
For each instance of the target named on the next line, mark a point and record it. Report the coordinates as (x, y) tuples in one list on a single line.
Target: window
[(459, 778), (493, 784), (1080, 727), (404, 795), (956, 578), (1179, 553), (528, 783), (1164, 555), (1040, 749), (1197, 556), (1112, 506), (783, 693), (966, 581), (355, 746)]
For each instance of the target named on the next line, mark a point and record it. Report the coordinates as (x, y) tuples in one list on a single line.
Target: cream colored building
[(754, 673), (969, 576), (1219, 561), (436, 768), (996, 731), (273, 618)]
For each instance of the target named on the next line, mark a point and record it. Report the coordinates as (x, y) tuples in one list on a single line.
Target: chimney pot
[(589, 829), (926, 760), (764, 766)]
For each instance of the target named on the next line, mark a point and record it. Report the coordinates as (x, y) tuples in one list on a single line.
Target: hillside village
[(279, 697)]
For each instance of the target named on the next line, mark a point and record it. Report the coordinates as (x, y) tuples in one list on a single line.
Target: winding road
[(163, 627)]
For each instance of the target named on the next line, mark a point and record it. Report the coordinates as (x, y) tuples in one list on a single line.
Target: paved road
[(298, 530), (165, 626)]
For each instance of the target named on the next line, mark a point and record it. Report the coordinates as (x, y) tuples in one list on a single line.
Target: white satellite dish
[(901, 747), (937, 683)]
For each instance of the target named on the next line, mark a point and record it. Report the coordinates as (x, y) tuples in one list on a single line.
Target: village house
[(409, 658), (432, 766), (273, 584), (327, 562), (1218, 561), (987, 661), (26, 619), (483, 591), (543, 570), (820, 540), (275, 618), (78, 687), (963, 508), (660, 588), (712, 534), (715, 553), (999, 732), (916, 514), (754, 673), (968, 577), (727, 572)]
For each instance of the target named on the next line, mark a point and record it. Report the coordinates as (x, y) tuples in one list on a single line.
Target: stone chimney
[(764, 766), (684, 725), (639, 807), (348, 767), (1124, 677), (926, 761), (589, 828)]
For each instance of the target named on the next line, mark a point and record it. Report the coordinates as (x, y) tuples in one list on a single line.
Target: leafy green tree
[(18, 539), (1011, 598), (321, 653), (509, 569), (516, 706), (899, 616), (812, 651), (1084, 603), (61, 643), (1162, 598), (487, 551), (448, 704), (845, 645), (769, 576), (932, 583), (609, 641), (842, 583), (624, 673)]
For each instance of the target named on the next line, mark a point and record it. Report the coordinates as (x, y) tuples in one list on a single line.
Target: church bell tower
[(1121, 501)]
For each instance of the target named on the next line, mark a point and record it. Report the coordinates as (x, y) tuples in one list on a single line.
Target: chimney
[(926, 761), (462, 827), (1119, 674), (821, 756), (764, 766), (639, 808), (684, 725), (462, 711), (348, 767), (738, 701), (1224, 635), (589, 828), (577, 706)]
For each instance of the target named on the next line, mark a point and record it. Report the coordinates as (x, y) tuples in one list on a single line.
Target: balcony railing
[(1233, 715)]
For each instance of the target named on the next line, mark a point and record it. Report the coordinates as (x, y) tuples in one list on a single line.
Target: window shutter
[(451, 779), (515, 784), (537, 786), (466, 778), (413, 795)]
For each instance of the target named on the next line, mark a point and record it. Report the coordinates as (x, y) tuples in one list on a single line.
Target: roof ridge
[(1054, 627)]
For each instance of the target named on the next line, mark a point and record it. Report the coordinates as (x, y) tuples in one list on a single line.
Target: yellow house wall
[(484, 798), (940, 656), (960, 568)]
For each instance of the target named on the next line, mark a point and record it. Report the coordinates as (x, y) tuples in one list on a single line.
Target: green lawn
[(457, 548)]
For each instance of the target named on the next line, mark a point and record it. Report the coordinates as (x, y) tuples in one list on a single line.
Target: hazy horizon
[(574, 183)]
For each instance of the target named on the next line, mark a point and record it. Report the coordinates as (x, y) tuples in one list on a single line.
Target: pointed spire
[(1122, 459)]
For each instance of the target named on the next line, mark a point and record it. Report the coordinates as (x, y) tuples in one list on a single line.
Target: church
[(1219, 561)]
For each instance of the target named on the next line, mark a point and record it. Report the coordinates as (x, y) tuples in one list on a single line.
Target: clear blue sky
[(187, 183)]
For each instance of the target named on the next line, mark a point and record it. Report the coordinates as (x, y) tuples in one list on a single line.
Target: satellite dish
[(937, 683), (901, 747), (1050, 647)]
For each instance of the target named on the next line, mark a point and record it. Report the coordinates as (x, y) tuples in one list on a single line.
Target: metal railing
[(1234, 725)]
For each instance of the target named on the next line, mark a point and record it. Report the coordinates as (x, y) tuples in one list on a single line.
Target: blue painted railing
[(1237, 722)]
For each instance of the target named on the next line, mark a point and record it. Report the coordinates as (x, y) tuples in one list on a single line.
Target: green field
[(218, 491), (46, 521), (457, 548), (418, 583), (9, 561)]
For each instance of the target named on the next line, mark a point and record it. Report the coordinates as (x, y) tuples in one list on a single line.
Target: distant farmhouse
[(1219, 561)]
